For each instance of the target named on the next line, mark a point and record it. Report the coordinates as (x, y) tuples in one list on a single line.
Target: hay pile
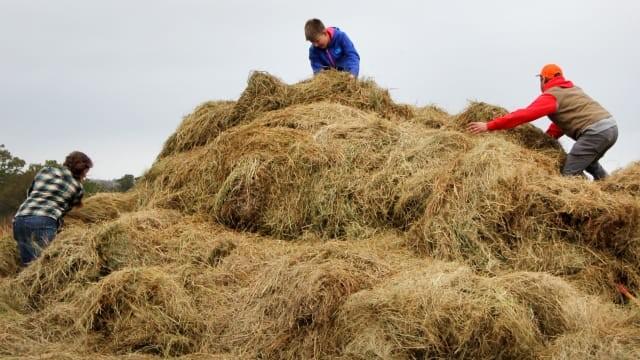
[(322, 220), (266, 93), (626, 180)]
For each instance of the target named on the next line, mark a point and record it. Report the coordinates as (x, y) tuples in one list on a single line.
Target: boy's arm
[(314, 59), (352, 58)]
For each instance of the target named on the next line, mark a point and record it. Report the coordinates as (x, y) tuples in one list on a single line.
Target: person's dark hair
[(313, 28), (77, 162)]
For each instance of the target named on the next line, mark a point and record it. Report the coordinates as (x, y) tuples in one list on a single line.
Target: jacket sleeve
[(314, 59), (544, 105), (77, 199), (352, 58), (554, 131)]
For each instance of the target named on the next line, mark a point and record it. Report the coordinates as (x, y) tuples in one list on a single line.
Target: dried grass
[(445, 311), (322, 220), (9, 261), (625, 180)]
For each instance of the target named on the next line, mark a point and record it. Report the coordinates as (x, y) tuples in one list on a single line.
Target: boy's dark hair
[(313, 28), (77, 162)]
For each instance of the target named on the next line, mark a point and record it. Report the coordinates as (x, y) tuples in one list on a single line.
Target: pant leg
[(22, 235), (586, 152), (595, 169), (33, 233)]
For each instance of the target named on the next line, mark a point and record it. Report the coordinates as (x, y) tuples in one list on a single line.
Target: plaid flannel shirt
[(53, 193)]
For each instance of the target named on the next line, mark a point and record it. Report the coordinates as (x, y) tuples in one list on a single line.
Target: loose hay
[(9, 262), (444, 311), (296, 298), (625, 180), (265, 93), (198, 128), (431, 117), (140, 310), (103, 206), (526, 135)]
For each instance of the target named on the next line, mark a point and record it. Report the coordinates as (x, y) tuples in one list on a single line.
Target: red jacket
[(544, 105)]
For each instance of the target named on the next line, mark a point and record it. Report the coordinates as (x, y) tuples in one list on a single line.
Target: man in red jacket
[(573, 113)]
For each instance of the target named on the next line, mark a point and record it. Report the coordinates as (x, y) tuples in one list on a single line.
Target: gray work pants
[(588, 149)]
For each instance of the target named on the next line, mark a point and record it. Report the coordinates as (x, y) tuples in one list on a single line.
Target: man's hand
[(477, 127)]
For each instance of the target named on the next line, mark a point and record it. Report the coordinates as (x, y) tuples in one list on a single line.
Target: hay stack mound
[(322, 220)]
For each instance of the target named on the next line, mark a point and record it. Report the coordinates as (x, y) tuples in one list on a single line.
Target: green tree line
[(16, 178)]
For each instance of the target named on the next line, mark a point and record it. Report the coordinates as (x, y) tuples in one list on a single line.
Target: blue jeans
[(33, 233)]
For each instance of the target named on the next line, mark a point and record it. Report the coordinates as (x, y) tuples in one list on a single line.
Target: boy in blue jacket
[(331, 49)]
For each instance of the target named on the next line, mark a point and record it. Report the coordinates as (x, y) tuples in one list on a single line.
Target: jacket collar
[(558, 81), (331, 31)]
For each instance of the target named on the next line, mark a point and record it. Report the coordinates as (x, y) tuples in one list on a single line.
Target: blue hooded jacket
[(340, 54)]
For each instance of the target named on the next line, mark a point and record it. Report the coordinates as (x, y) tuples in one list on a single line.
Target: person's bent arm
[(352, 58), (316, 64), (544, 105)]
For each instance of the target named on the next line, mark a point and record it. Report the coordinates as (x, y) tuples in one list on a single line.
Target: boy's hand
[(351, 76), (477, 127)]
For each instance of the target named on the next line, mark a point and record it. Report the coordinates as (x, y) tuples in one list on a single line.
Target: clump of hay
[(625, 180), (445, 311), (66, 264), (488, 200), (296, 298), (604, 331), (526, 135), (240, 168), (265, 93), (312, 117), (431, 116), (478, 112), (136, 239), (296, 169), (79, 256), (583, 213), (102, 207), (140, 310), (199, 127), (337, 87), (591, 270)]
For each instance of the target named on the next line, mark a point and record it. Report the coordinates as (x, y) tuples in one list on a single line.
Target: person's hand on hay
[(477, 127)]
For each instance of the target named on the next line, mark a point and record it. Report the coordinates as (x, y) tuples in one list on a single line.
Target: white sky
[(114, 78)]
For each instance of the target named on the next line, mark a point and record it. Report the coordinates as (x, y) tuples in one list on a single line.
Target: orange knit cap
[(550, 71)]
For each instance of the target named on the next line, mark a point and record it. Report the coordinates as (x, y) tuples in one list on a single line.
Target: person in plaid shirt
[(53, 193)]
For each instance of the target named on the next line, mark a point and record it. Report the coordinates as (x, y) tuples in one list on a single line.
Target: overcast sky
[(114, 78)]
